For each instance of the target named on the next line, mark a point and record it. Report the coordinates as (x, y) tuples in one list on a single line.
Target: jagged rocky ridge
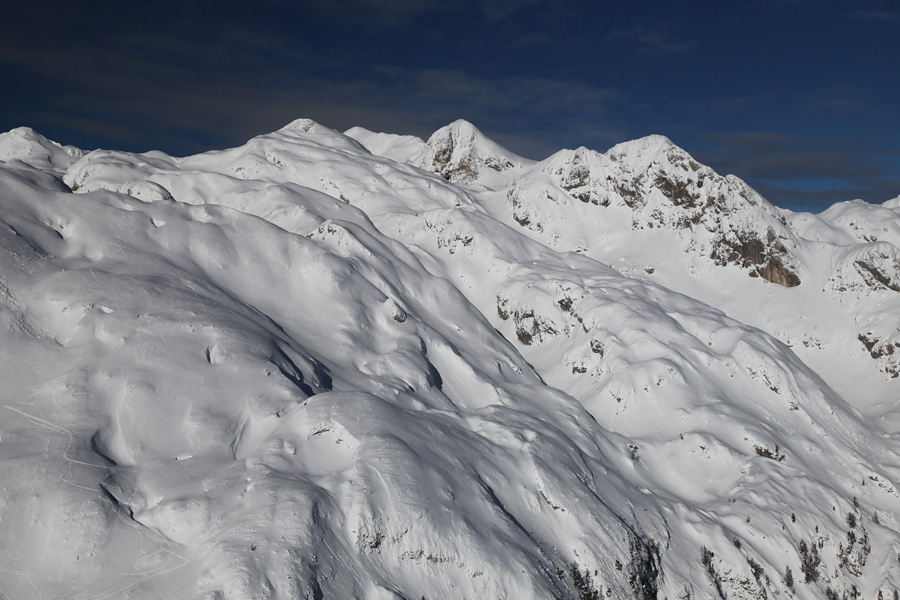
[(296, 369), (718, 217)]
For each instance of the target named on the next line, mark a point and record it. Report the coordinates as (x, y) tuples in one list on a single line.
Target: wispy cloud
[(792, 171), (129, 100), (876, 15), (822, 101), (650, 42), (394, 13), (770, 155), (843, 101), (817, 200)]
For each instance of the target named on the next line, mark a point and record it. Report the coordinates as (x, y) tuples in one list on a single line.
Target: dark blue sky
[(801, 98)]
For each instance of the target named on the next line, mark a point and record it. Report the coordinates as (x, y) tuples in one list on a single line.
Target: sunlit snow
[(372, 366)]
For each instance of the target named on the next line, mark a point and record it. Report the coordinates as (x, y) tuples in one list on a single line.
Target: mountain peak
[(460, 152), (645, 151), (892, 203), (462, 126), (654, 140), (29, 146), (23, 132), (301, 125), (308, 129)]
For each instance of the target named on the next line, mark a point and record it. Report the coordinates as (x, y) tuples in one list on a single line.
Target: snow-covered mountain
[(459, 152), (655, 184), (361, 365)]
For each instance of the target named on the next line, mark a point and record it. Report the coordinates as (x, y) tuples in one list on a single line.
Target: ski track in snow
[(141, 531)]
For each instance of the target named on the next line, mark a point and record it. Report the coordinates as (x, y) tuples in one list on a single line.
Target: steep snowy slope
[(651, 211), (855, 245), (705, 404), (199, 402), (634, 205), (297, 369)]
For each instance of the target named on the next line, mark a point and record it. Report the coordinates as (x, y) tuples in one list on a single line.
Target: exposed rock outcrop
[(867, 269), (721, 218), (460, 153)]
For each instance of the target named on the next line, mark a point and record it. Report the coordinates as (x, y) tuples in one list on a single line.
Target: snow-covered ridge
[(647, 193), (720, 218), (299, 368), (398, 148)]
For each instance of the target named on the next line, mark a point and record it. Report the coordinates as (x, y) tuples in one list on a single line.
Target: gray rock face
[(460, 153)]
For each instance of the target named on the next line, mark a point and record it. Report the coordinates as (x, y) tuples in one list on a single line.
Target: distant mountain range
[(365, 365)]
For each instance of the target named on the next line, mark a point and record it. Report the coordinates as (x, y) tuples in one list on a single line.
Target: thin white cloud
[(876, 14), (649, 42)]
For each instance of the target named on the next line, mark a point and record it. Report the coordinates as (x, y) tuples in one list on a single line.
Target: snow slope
[(459, 153), (398, 148), (651, 211), (298, 369), (26, 145)]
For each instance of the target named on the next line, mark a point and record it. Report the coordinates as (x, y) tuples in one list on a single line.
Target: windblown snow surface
[(373, 366)]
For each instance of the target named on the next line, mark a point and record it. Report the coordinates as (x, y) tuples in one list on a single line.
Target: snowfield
[(363, 365)]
